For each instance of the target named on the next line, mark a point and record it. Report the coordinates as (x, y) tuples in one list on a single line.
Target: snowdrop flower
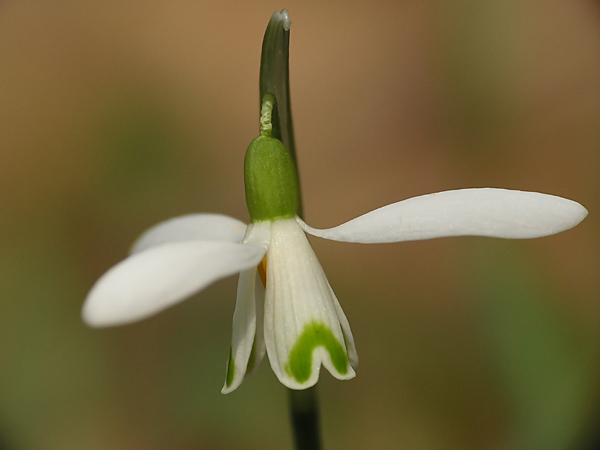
[(285, 305)]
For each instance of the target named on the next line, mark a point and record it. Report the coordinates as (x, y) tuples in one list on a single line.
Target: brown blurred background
[(116, 115)]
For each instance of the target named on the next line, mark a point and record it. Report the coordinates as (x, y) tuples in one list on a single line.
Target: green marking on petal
[(230, 369), (315, 334), (252, 360)]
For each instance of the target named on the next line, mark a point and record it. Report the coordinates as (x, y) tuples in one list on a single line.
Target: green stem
[(304, 412), (275, 80)]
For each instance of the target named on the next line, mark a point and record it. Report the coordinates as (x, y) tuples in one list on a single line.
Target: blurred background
[(116, 115)]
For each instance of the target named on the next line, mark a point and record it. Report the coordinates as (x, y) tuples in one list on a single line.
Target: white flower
[(303, 326)]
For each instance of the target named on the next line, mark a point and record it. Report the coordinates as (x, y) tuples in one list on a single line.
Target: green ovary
[(271, 182), (315, 334)]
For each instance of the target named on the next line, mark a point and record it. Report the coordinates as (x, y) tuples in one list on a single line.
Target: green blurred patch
[(53, 372), (139, 136), (544, 366)]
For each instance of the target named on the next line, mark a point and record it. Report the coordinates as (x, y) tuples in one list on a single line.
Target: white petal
[(193, 227), (247, 342), (244, 331), (348, 337), (302, 326), (150, 281), (466, 212)]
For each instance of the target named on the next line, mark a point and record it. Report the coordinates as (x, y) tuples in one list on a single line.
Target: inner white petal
[(466, 212), (247, 342), (244, 331), (300, 306)]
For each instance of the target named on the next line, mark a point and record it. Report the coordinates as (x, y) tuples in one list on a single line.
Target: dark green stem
[(275, 79), (304, 412)]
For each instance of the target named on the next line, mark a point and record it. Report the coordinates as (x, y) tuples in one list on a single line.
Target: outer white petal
[(247, 343), (193, 227), (150, 281), (466, 212), (302, 326)]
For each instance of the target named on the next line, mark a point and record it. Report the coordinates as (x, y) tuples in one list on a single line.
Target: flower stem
[(304, 411), (275, 80)]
